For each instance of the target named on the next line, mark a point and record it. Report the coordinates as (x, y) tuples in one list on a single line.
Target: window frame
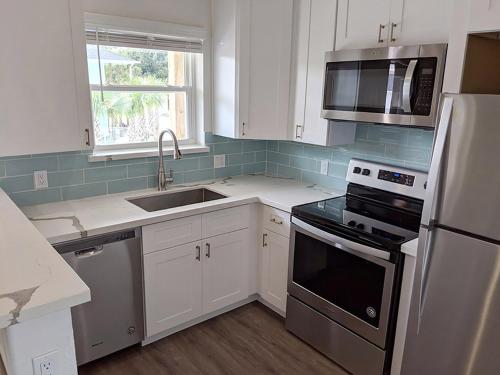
[(194, 126)]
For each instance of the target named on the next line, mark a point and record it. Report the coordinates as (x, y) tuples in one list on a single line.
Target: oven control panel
[(396, 177), (389, 178)]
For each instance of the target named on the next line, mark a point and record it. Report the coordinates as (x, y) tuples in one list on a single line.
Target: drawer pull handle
[(198, 253), (207, 254), (273, 220)]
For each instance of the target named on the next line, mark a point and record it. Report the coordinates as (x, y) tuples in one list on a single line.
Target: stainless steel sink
[(175, 199)]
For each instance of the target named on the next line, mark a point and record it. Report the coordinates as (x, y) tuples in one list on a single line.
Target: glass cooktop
[(366, 215)]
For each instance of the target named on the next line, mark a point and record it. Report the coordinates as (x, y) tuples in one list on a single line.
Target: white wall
[(22, 342), (186, 12)]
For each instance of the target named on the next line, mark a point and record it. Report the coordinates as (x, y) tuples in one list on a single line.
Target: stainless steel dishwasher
[(111, 266)]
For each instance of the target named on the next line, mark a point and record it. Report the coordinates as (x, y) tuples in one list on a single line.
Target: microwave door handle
[(410, 73)]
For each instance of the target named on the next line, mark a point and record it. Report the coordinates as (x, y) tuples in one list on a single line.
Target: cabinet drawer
[(171, 233), (276, 221), (225, 221)]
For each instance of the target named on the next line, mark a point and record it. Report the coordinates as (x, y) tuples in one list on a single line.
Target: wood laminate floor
[(248, 340)]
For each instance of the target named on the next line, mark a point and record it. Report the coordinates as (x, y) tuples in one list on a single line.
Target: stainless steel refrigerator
[(454, 323)]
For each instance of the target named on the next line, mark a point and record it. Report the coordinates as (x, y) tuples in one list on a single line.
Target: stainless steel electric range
[(345, 265)]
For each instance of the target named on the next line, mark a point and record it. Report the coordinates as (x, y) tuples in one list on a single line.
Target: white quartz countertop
[(34, 279), (68, 220), (410, 247)]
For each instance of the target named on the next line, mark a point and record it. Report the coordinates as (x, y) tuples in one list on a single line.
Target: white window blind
[(137, 40)]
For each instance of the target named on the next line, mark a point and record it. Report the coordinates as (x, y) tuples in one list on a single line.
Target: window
[(140, 85)]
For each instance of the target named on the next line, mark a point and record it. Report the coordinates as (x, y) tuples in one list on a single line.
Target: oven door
[(396, 85), (349, 282)]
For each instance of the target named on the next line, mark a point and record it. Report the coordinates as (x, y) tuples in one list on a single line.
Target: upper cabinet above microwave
[(382, 23)]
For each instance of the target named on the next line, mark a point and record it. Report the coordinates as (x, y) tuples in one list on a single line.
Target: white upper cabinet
[(362, 24), (381, 23), (42, 106), (484, 15), (419, 22), (252, 58), (313, 35)]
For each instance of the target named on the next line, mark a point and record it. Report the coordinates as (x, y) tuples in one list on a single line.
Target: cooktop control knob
[(366, 172), (356, 170), (360, 226), (351, 223)]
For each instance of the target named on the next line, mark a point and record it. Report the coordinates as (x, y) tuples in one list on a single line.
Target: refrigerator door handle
[(436, 162), (423, 264)]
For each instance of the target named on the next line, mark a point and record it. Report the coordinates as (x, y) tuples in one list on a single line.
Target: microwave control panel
[(426, 73)]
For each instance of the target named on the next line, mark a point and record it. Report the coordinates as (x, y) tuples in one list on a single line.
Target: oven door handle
[(410, 72), (340, 242)]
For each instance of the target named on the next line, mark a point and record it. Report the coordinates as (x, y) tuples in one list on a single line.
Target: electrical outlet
[(219, 161), (324, 167), (40, 179), (45, 364)]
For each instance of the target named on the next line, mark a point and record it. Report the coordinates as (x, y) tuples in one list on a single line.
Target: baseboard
[(271, 307), (200, 319)]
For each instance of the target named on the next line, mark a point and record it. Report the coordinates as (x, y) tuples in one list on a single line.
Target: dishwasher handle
[(90, 252)]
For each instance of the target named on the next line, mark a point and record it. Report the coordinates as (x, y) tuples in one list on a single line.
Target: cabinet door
[(270, 43), (484, 15), (300, 51), (321, 39), (419, 22), (172, 287), (225, 270), (362, 24), (39, 108), (275, 250)]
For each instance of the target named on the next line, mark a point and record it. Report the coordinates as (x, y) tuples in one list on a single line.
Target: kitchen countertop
[(410, 247), (69, 220), (34, 279)]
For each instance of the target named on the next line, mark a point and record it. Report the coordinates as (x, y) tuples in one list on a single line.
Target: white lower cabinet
[(274, 270), (172, 287), (185, 281), (225, 270)]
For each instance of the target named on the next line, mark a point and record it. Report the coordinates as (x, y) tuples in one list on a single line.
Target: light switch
[(324, 167), (40, 180), (219, 161)]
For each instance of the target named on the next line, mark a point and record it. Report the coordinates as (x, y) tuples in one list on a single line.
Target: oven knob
[(366, 172), (356, 170), (352, 223), (371, 312), (360, 226)]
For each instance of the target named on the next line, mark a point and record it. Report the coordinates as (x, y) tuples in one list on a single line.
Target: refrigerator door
[(470, 178), (456, 328)]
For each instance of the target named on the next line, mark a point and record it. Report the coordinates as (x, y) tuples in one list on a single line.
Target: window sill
[(135, 153)]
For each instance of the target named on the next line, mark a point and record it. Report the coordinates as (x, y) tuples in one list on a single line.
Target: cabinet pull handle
[(243, 129), (297, 127), (393, 25), (207, 254), (264, 243), (380, 28), (87, 137), (198, 253), (276, 221)]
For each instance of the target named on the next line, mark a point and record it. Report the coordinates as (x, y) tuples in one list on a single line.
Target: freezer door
[(454, 328), (470, 179)]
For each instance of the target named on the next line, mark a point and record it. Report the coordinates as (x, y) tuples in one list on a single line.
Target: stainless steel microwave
[(394, 85)]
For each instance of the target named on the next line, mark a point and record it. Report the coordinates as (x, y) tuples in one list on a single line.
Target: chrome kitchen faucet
[(163, 180)]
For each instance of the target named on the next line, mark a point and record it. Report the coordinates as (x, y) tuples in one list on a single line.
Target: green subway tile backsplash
[(405, 147), (72, 176)]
